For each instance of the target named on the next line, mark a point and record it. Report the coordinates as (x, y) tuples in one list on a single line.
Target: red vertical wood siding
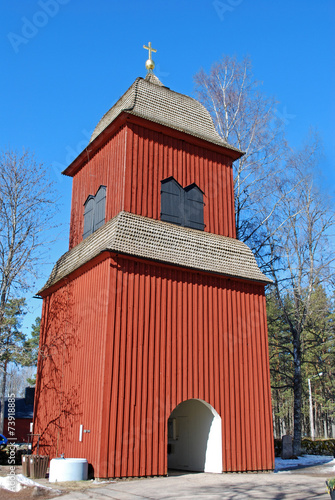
[(106, 168), (134, 161), (162, 335), (70, 383), (153, 156), (188, 351)]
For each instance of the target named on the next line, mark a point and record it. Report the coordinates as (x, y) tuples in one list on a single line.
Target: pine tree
[(31, 348), (12, 342)]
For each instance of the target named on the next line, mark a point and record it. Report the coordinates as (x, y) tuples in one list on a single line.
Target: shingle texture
[(149, 99), (146, 238)]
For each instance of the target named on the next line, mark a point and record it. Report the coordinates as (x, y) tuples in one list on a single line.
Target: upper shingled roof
[(149, 99), (163, 242)]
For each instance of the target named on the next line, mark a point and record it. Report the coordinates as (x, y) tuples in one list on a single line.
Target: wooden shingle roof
[(152, 239), (149, 99)]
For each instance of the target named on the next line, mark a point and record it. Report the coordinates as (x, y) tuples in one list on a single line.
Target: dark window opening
[(194, 207), (172, 201), (94, 211), (182, 206), (89, 216)]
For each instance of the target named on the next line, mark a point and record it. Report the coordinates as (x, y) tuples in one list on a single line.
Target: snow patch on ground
[(10, 483), (95, 481), (18, 482), (303, 461)]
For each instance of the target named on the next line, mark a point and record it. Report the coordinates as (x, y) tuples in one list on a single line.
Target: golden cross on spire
[(149, 64), (150, 49)]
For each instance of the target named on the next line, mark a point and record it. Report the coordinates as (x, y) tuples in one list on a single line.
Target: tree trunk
[(325, 428), (297, 392), (277, 417), (3, 394)]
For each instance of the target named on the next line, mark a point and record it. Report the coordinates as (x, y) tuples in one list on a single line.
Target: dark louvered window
[(172, 201), (94, 211), (88, 216), (194, 207), (100, 205), (184, 207)]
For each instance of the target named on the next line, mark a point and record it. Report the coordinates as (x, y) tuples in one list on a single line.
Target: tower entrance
[(194, 437)]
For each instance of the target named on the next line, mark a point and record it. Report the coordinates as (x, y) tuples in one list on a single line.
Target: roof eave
[(103, 254), (234, 153), (116, 124), (93, 146)]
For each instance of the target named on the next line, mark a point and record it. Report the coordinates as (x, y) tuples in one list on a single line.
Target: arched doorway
[(194, 437)]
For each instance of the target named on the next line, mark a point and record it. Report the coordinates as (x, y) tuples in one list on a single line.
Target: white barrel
[(68, 469)]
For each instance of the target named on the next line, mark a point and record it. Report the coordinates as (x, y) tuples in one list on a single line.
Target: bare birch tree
[(27, 207), (303, 259), (279, 212), (246, 118)]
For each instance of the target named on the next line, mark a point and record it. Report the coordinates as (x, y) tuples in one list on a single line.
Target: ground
[(292, 480)]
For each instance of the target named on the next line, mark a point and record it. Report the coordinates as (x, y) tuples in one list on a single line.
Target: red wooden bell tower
[(154, 322)]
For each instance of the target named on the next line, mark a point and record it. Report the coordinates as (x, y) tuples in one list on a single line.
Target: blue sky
[(65, 63)]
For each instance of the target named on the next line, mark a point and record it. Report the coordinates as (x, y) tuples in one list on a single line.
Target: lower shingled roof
[(152, 239)]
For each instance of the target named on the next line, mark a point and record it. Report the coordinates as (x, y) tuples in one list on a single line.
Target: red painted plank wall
[(132, 164), (106, 168), (70, 368), (172, 335), (153, 156), (178, 335)]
